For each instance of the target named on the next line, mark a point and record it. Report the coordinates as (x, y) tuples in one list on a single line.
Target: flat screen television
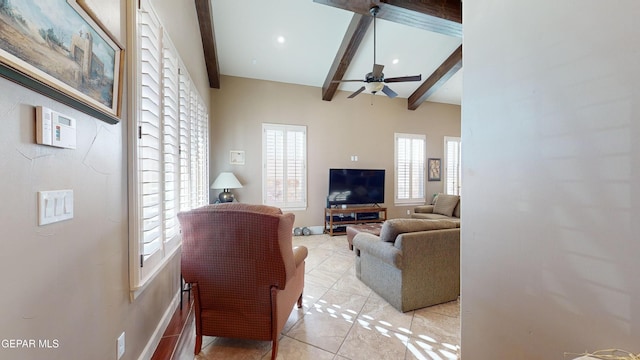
[(355, 186)]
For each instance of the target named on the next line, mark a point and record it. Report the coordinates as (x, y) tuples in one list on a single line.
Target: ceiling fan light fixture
[(374, 87)]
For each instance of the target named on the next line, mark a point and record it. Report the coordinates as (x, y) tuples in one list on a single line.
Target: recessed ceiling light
[(281, 39), (395, 61)]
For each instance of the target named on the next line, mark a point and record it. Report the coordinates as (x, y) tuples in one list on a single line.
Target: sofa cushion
[(445, 204), (423, 209), (430, 216), (456, 211), (393, 227)]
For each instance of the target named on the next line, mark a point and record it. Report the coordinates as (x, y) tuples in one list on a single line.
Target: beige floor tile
[(294, 317), (315, 257), (321, 278), (435, 336), (422, 349), (367, 341), (351, 284), (337, 263), (379, 313), (232, 349), (431, 324), (321, 329), (312, 293), (451, 308), (291, 349), (327, 323)]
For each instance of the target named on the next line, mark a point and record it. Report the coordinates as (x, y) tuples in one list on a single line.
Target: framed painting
[(60, 49), (434, 167), (236, 157)]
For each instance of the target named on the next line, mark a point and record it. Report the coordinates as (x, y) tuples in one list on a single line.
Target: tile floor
[(342, 319)]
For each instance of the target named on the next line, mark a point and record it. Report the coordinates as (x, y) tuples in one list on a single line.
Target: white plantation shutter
[(171, 144), (193, 118), (452, 171), (149, 142), (284, 165), (185, 142), (410, 168), (203, 153), (170, 157)]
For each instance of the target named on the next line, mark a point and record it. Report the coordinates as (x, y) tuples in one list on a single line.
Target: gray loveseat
[(413, 264), (445, 207)]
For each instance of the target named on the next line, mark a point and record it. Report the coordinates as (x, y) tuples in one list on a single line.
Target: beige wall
[(550, 250), (335, 131), (69, 281)]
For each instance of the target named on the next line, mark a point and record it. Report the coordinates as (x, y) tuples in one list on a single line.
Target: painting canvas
[(57, 43), (434, 169)]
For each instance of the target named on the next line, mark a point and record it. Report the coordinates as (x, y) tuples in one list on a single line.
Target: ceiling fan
[(375, 80)]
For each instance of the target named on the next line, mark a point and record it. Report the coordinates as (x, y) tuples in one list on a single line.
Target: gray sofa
[(413, 264), (445, 207)]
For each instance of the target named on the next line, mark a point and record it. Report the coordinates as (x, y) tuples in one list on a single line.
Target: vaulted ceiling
[(319, 42)]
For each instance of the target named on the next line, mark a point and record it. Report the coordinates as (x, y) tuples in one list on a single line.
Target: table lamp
[(226, 181)]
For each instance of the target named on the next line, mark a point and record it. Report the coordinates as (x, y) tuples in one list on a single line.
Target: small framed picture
[(236, 157), (433, 169)]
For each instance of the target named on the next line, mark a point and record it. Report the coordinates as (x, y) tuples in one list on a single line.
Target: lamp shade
[(226, 180)]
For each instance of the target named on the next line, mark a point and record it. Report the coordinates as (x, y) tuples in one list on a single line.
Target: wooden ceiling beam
[(441, 16), (438, 78), (205, 20), (350, 43)]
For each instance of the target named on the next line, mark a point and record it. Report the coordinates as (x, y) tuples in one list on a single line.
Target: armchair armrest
[(372, 245), (299, 254), (423, 209)]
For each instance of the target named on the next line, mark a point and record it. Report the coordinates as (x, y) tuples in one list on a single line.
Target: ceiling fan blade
[(403, 79), (377, 70), (390, 93), (356, 93), (339, 81)]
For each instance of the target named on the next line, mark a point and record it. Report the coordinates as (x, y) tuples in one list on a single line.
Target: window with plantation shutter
[(169, 158), (452, 170), (410, 168), (284, 177), (149, 138)]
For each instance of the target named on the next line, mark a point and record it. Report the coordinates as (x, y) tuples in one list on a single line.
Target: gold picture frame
[(61, 50)]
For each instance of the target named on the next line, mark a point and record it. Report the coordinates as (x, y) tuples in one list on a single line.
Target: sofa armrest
[(425, 250), (423, 209), (372, 245)]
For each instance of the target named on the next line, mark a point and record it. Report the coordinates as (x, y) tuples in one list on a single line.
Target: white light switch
[(54, 206)]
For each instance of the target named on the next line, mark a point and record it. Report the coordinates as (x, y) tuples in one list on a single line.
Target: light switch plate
[(54, 206), (120, 344)]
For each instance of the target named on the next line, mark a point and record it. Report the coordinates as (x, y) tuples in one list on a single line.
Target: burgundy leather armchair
[(245, 274)]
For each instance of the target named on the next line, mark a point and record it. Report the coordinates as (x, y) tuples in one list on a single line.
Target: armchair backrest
[(235, 253)]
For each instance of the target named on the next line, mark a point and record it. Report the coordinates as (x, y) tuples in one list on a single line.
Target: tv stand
[(337, 219)]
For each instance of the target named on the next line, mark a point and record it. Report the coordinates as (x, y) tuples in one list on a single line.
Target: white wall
[(550, 252)]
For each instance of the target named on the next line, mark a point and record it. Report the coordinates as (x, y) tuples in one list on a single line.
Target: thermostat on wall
[(55, 129)]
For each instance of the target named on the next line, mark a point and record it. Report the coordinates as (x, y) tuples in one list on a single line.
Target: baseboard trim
[(153, 342)]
